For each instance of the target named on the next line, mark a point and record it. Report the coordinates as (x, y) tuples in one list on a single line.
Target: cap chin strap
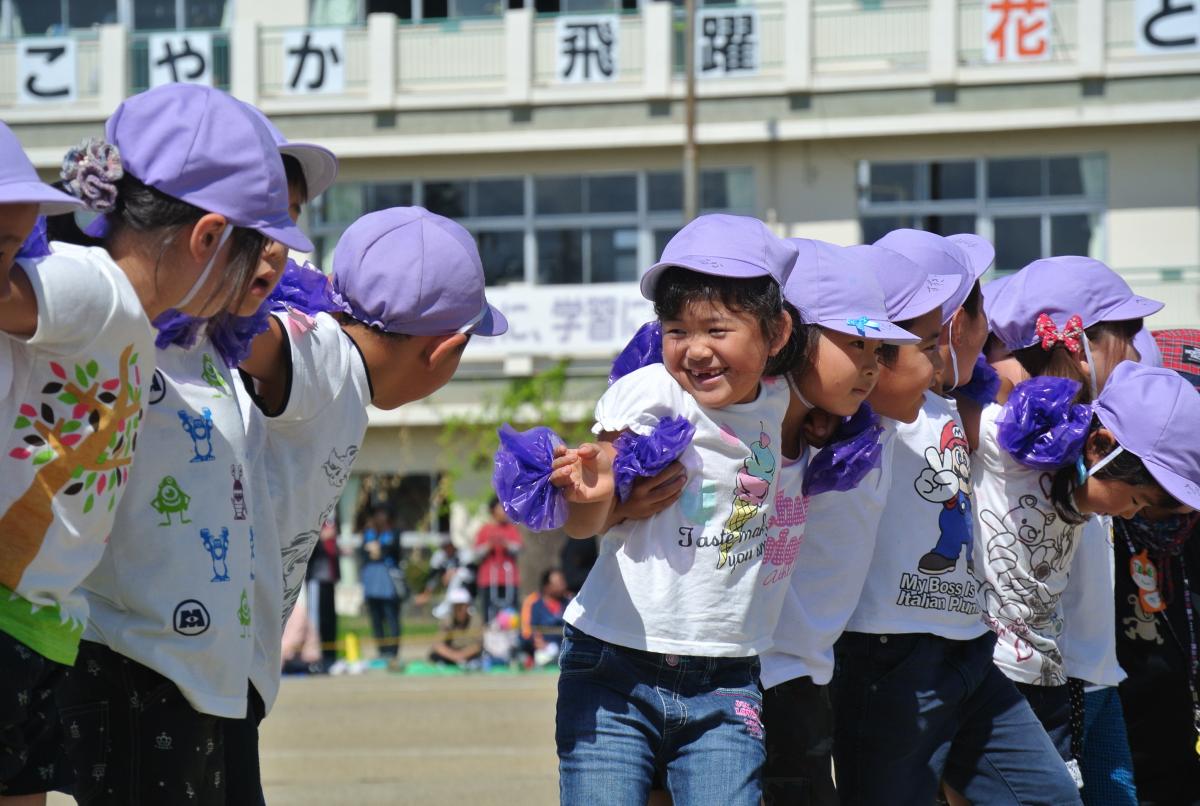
[(953, 354), (796, 391), (1087, 353), (208, 267), (1096, 468), (475, 320)]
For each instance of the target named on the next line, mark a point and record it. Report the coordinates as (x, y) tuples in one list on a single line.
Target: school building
[(554, 132)]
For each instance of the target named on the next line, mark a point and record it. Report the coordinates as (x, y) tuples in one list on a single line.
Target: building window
[(55, 17), (552, 230), (1029, 207)]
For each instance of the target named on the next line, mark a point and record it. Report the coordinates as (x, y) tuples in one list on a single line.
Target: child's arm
[(650, 496), (18, 304), (268, 363), (585, 475)]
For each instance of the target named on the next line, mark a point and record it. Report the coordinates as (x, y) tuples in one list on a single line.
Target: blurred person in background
[(541, 618), (383, 583), (496, 545), (323, 575), (459, 643)]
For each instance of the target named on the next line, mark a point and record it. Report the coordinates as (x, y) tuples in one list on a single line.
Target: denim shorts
[(626, 715)]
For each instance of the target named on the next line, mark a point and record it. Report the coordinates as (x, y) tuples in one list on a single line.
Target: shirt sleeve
[(636, 401), (75, 300), (323, 359)]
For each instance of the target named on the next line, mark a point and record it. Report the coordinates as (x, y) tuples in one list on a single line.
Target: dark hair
[(888, 353), (346, 319), (549, 572), (973, 304), (492, 503), (759, 297), (145, 210), (295, 175), (797, 354), (1126, 467), (1059, 362)]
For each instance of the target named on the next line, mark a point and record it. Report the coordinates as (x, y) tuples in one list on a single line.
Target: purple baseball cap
[(963, 254), (909, 290), (1062, 287), (204, 147), (991, 292), (20, 184), (407, 270), (724, 246), (318, 163), (1148, 353), (835, 287), (1153, 413)]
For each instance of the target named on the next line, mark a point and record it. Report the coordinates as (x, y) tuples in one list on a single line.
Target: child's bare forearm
[(588, 519)]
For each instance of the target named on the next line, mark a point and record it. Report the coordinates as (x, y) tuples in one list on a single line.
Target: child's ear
[(783, 333), (1100, 443), (439, 348)]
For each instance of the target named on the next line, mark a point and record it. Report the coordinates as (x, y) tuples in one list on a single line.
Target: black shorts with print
[(131, 736), (30, 749)]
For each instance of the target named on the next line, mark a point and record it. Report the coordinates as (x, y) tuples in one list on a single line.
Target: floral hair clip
[(90, 172), (1069, 336)]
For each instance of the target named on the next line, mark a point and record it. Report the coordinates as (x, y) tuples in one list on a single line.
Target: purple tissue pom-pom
[(1040, 426), (643, 349), (175, 328), (36, 245), (645, 456), (521, 478), (303, 288), (984, 383), (845, 462), (232, 335)]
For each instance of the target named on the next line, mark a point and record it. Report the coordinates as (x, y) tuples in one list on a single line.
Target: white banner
[(727, 42), (1016, 31), (1166, 26), (588, 48), (564, 320), (314, 61), (184, 58), (46, 71)]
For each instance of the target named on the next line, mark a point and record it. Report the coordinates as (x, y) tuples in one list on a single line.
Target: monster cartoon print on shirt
[(946, 480), (239, 495), (200, 430), (171, 499), (218, 550), (213, 378), (243, 614)]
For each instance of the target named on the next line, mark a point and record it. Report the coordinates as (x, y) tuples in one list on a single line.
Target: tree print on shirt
[(81, 437)]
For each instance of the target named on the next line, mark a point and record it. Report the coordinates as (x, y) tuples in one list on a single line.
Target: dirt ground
[(380, 738)]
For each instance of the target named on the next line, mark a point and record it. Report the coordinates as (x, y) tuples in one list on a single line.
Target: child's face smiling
[(716, 354)]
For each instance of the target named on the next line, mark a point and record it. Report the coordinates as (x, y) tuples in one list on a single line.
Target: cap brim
[(1136, 307), (878, 329), (1184, 490), (935, 292), (48, 200), (717, 267), (493, 323), (956, 300), (980, 253), (287, 234), (319, 164)]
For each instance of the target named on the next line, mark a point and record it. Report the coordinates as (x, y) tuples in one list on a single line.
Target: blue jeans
[(916, 708), (1107, 763), (625, 715)]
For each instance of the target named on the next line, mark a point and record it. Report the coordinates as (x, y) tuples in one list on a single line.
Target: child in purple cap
[(1069, 321), (916, 696), (170, 601), (672, 617)]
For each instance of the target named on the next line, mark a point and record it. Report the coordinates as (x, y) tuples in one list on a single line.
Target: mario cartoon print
[(946, 480)]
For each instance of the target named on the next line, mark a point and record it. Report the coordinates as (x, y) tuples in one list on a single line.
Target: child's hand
[(818, 427), (584, 474), (650, 496)]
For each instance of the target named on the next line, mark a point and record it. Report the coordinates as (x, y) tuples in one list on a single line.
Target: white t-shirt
[(175, 589), (920, 579), (311, 445), (1089, 638), (1025, 552), (831, 569), (691, 580), (69, 410)]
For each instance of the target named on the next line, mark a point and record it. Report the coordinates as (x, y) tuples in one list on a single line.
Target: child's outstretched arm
[(585, 475)]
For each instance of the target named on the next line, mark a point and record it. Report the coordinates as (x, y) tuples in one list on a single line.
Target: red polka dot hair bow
[(1050, 335)]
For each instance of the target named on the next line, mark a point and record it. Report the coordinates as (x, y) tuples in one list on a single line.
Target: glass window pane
[(893, 182), (341, 204), (36, 17), (435, 9), (560, 256), (664, 191), (151, 15), (477, 8), (447, 198), (661, 236), (503, 255), (392, 194), (86, 13), (204, 13), (1071, 234), (614, 255), (1018, 241), (401, 8), (1008, 179), (952, 180), (558, 195), (496, 197), (612, 194), (727, 190), (876, 226), (1066, 177), (948, 224)]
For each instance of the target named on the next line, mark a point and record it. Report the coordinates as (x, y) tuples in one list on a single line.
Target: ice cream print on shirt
[(1023, 552), (78, 436), (751, 487)]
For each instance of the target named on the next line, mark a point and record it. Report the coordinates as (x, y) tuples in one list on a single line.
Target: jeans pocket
[(86, 737), (580, 654)]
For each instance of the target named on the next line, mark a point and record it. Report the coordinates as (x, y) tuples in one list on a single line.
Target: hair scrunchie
[(90, 172)]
